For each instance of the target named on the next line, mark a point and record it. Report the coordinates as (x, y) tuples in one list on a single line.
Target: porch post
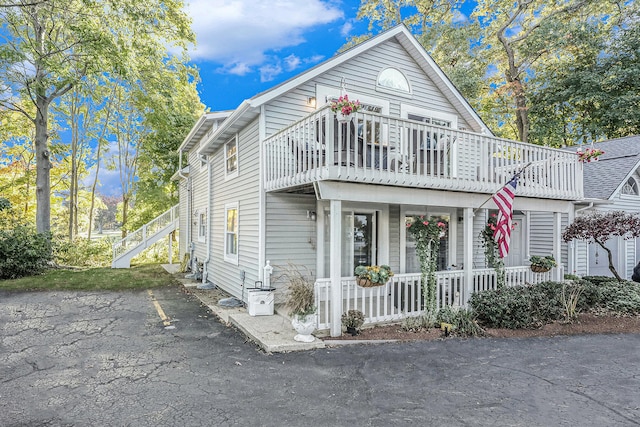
[(468, 254), (335, 256), (557, 252)]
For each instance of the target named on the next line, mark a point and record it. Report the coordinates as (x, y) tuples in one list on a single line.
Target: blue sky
[(247, 46)]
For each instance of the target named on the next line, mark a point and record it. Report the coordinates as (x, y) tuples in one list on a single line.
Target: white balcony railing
[(378, 149)]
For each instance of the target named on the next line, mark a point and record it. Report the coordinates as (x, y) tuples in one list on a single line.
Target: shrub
[(415, 324), (519, 306), (464, 321), (23, 252), (84, 252), (599, 280), (620, 298)]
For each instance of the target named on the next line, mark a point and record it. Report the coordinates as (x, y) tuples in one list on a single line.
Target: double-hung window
[(231, 157), (231, 233), (202, 225)]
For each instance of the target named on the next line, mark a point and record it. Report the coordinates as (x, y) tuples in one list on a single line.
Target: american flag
[(504, 200)]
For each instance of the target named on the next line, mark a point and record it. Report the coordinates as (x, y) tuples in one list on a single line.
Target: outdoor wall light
[(311, 215), (311, 101)]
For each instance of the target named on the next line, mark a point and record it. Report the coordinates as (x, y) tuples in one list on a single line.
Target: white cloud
[(346, 28), (292, 62), (237, 33), (269, 71)]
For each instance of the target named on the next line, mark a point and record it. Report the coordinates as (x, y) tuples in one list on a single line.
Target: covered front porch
[(366, 225)]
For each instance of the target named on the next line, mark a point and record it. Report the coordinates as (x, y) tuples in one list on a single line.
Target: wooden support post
[(335, 255)]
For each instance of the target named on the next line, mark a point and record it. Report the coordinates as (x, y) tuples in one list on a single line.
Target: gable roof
[(201, 127), (621, 158), (250, 108)]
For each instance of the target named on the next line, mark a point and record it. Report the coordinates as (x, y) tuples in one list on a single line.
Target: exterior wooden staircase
[(143, 237)]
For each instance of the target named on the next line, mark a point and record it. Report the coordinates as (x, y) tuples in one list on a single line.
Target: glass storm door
[(358, 240)]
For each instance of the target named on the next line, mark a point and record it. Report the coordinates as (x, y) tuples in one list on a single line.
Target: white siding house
[(610, 184), (280, 180)]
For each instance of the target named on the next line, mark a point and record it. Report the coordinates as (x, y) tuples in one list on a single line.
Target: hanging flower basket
[(343, 118), (540, 264), (589, 155), (539, 269), (372, 275), (343, 108), (367, 283)]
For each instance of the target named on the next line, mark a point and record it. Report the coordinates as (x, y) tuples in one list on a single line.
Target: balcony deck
[(383, 150)]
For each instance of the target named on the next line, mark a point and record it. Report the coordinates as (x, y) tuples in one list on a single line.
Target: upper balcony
[(383, 150)]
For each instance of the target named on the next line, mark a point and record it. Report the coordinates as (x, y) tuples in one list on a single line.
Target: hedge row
[(534, 305)]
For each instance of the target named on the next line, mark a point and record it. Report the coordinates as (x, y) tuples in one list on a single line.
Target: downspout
[(189, 246), (205, 268)]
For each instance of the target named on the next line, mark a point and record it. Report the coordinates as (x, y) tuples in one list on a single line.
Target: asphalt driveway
[(106, 359)]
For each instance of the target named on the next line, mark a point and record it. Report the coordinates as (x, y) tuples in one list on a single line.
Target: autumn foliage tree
[(599, 227)]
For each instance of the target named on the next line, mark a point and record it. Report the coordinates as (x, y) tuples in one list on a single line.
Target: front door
[(358, 240), (516, 254)]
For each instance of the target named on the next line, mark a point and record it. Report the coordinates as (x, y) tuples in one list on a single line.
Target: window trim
[(231, 258), (386, 89), (637, 188), (202, 225), (234, 173), (406, 109)]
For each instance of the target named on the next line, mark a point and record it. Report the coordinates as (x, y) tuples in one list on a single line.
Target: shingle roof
[(602, 178)]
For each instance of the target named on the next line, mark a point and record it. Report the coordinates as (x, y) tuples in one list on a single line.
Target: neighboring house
[(280, 180), (610, 184)]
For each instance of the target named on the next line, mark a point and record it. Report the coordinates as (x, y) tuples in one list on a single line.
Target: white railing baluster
[(402, 152)]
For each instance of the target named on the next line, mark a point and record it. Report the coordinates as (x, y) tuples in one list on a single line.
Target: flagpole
[(516, 175)]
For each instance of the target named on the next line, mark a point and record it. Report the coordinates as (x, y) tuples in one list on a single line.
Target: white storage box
[(260, 301)]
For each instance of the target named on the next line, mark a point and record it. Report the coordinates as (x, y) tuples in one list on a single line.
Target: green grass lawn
[(94, 279)]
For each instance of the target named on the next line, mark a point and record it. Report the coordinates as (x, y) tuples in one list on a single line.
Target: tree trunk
[(43, 166), (98, 152), (125, 212), (610, 258), (72, 192), (93, 190)]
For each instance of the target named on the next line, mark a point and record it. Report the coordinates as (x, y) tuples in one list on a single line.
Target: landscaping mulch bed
[(586, 324)]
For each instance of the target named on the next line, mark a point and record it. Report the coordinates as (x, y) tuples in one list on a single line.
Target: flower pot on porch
[(353, 331), (304, 326)]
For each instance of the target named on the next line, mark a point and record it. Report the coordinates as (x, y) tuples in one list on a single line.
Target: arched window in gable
[(630, 187), (393, 79)]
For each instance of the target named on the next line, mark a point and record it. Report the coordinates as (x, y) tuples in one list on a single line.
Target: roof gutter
[(242, 109)]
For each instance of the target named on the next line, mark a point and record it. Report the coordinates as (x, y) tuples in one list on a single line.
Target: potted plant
[(368, 276), (352, 320), (541, 264), (343, 108), (300, 300)]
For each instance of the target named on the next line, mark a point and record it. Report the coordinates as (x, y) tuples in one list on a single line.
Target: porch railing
[(379, 149), (402, 297)]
